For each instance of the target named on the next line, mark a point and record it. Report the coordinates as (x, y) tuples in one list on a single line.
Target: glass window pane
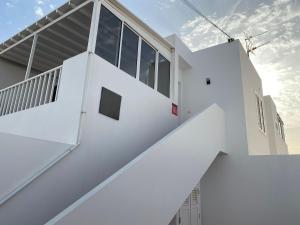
[(163, 85), (129, 51), (108, 37), (147, 68)]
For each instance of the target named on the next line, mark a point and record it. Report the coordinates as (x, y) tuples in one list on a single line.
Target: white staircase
[(23, 159), (151, 188)]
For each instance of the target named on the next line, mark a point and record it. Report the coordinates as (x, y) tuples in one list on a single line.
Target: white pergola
[(56, 37)]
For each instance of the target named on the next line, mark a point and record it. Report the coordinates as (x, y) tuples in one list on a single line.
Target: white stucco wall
[(106, 145), (276, 142), (147, 191), (22, 157), (240, 189), (145, 117), (234, 83), (258, 143), (10, 73), (221, 64), (58, 121), (252, 190)]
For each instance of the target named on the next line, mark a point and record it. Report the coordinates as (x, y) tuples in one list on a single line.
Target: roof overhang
[(59, 13), (61, 34)]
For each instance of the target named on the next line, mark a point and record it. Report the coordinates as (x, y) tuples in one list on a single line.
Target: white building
[(275, 127), (102, 121)]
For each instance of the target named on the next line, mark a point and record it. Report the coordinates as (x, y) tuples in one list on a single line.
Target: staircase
[(152, 187)]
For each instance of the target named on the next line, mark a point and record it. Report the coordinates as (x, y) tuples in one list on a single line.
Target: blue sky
[(16, 14), (277, 63)]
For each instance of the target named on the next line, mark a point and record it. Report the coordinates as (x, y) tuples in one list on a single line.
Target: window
[(123, 47), (280, 127), (108, 37), (163, 85), (147, 65), (129, 53), (110, 104), (282, 131), (260, 111)]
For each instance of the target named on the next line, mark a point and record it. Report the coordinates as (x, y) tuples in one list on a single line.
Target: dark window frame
[(102, 47), (122, 48), (145, 61), (161, 76), (152, 79)]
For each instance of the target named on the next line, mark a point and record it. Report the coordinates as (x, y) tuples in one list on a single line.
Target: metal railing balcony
[(36, 91)]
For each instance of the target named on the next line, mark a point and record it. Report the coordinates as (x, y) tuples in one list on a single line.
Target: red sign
[(174, 109)]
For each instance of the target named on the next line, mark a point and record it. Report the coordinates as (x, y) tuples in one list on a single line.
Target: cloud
[(40, 2), (39, 12), (276, 62), (235, 7), (9, 4), (41, 6)]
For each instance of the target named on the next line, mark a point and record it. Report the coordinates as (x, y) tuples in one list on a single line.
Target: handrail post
[(33, 46)]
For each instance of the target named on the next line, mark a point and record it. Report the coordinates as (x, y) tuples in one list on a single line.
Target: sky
[(277, 63)]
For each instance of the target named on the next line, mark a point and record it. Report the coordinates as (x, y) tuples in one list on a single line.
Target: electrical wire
[(191, 6)]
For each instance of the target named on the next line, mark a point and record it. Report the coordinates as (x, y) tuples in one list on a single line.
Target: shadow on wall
[(252, 190)]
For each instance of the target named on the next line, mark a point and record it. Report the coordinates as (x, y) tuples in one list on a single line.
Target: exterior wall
[(58, 121), (258, 143), (221, 64), (10, 73), (151, 188), (22, 157), (239, 189), (105, 146), (276, 142), (252, 190), (234, 85), (145, 117)]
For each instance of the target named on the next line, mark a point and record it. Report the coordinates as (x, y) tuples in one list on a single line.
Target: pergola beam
[(58, 44), (85, 13), (43, 64), (67, 39), (14, 57), (47, 57), (51, 40), (47, 25), (23, 49), (41, 47), (57, 53), (79, 23), (67, 28)]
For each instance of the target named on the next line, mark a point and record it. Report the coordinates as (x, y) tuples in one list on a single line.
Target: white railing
[(39, 90)]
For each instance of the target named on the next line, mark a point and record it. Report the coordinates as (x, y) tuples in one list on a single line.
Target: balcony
[(47, 106), (39, 90), (42, 75), (44, 46)]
